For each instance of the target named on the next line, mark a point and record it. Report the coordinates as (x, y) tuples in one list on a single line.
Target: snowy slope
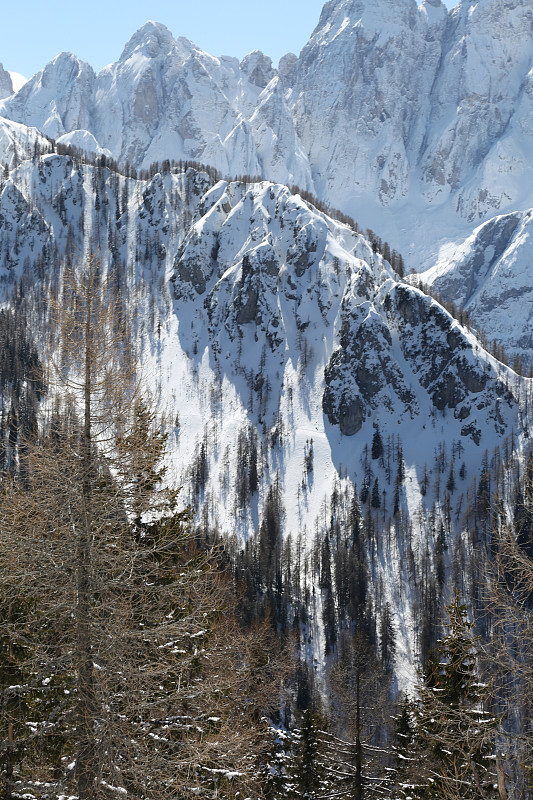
[(17, 80), (17, 142), (243, 285)]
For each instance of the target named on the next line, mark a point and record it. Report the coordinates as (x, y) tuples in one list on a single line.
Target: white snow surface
[(84, 141), (17, 80)]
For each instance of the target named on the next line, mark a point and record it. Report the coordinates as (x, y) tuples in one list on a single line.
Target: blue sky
[(37, 30)]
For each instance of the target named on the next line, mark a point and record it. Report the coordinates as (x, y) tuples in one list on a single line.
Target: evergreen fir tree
[(377, 444), (375, 500), (458, 733), (408, 750), (306, 772)]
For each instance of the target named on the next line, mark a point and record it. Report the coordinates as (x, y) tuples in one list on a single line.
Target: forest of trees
[(143, 656), (123, 665)]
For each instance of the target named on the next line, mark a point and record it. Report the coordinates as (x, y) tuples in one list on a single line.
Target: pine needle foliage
[(456, 732)]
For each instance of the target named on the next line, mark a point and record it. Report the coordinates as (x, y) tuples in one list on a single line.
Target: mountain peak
[(376, 15), (258, 68), (62, 70), (152, 39)]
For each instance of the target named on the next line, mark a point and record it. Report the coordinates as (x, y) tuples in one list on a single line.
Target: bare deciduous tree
[(137, 677), (509, 649)]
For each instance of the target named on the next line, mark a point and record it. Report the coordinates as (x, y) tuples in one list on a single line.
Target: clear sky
[(34, 31)]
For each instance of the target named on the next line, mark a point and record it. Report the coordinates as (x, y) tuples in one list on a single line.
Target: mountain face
[(393, 112), (371, 68), (276, 337), (252, 263)]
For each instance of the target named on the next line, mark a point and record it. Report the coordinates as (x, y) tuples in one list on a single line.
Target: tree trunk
[(358, 749), (9, 761), (86, 765), (502, 791), (10, 746)]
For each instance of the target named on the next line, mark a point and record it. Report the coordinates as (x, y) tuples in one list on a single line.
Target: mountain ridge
[(268, 328)]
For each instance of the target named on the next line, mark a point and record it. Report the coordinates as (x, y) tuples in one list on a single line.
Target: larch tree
[(509, 646)]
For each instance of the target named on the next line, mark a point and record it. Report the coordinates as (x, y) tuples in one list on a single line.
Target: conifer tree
[(377, 444), (458, 733), (509, 650), (307, 772), (375, 501), (408, 748), (307, 763)]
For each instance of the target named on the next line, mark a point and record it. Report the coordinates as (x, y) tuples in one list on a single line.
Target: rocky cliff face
[(17, 143), (371, 68)]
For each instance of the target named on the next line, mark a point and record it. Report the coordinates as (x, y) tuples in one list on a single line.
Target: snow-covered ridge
[(253, 279), (489, 275), (166, 99)]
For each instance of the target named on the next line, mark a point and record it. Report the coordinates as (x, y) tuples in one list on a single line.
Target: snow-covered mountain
[(166, 99), (278, 338), (398, 114), (262, 276)]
